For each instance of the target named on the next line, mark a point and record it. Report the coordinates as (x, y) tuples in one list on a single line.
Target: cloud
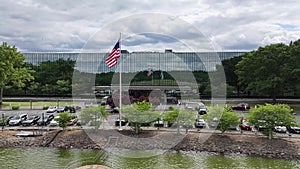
[(50, 25)]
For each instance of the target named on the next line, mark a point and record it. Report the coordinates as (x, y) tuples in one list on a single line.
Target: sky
[(148, 25)]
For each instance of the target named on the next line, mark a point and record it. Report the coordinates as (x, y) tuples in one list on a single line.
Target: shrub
[(15, 107), (45, 107)]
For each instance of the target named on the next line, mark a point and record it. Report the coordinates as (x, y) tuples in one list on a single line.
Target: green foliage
[(270, 116), (45, 107), (228, 119), (139, 113), (63, 119), (221, 118), (186, 118), (292, 69), (12, 69), (171, 115), (142, 106), (229, 69), (15, 107), (268, 70), (93, 115), (3, 121), (213, 116), (53, 77)]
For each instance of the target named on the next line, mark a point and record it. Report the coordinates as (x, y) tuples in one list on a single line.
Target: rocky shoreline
[(251, 145)]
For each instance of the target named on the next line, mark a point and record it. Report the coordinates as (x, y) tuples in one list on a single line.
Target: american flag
[(150, 72), (112, 58)]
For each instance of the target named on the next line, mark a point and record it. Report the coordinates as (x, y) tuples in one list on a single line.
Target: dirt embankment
[(285, 148)]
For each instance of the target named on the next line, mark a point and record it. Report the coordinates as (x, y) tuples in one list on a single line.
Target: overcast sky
[(69, 25)]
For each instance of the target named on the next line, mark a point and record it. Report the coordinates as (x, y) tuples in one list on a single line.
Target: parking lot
[(109, 123)]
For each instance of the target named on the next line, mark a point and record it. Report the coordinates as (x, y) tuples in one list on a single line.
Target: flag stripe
[(112, 58), (150, 72)]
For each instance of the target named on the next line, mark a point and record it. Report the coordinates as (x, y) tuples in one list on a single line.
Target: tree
[(12, 69), (55, 77), (222, 118), (270, 116), (228, 119), (292, 68), (229, 66), (171, 115), (180, 117), (93, 115), (63, 119), (140, 113), (263, 71), (186, 119)]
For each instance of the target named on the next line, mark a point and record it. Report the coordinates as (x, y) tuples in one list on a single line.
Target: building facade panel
[(138, 61)]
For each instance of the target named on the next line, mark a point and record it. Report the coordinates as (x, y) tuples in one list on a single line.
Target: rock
[(93, 167)]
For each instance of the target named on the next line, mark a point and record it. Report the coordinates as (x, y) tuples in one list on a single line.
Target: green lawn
[(37, 104)]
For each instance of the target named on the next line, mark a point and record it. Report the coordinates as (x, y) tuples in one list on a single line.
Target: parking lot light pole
[(43, 122)]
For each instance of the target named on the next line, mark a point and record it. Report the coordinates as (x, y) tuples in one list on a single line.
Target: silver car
[(17, 120)]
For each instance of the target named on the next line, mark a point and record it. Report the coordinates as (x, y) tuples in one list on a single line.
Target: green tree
[(186, 118), (263, 70), (93, 115), (292, 68), (12, 69), (63, 119), (171, 115), (228, 119), (229, 66), (222, 118), (270, 116), (54, 77), (139, 113)]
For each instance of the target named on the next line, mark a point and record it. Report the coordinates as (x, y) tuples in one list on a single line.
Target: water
[(52, 158)]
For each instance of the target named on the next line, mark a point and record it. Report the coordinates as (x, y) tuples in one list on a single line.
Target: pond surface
[(53, 158)]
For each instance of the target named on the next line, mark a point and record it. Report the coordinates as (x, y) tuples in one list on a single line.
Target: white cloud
[(36, 25)]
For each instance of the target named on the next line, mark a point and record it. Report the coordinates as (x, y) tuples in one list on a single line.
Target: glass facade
[(138, 61)]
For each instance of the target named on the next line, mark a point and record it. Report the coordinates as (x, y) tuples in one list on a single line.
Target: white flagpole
[(120, 72), (152, 76)]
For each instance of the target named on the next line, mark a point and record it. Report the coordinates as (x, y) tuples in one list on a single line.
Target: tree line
[(271, 71)]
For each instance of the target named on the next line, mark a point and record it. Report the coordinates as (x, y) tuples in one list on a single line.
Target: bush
[(45, 107), (15, 107)]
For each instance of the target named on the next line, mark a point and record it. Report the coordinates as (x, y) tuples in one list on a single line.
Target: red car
[(244, 125), (241, 106)]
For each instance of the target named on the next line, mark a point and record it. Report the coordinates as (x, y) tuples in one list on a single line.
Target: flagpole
[(120, 73), (152, 77)]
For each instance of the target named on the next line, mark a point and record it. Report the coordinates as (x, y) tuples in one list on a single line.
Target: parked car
[(62, 109), (72, 109), (158, 123), (202, 110), (46, 120), (261, 127), (31, 120), (52, 109), (17, 120), (53, 122), (200, 123), (73, 121), (124, 121), (295, 130), (280, 129), (241, 107), (104, 100)]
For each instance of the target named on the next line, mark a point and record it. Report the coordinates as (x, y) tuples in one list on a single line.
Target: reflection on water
[(44, 158)]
